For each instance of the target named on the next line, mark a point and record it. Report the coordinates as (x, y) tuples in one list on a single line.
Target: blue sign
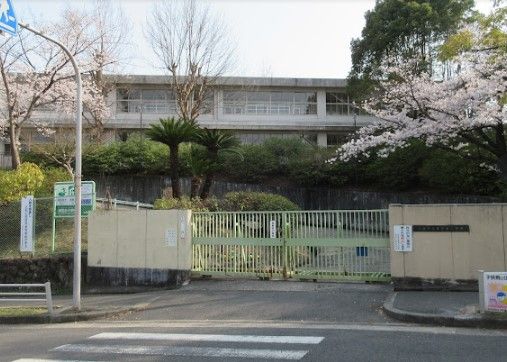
[(8, 21)]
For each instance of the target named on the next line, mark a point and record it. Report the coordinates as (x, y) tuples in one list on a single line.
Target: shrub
[(23, 181), (195, 204), (52, 175), (137, 155), (256, 201)]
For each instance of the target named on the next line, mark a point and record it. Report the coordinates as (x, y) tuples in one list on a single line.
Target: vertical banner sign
[(272, 229), (27, 216), (495, 291), (403, 238)]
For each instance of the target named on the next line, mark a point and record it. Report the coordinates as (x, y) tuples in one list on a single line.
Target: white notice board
[(402, 238)]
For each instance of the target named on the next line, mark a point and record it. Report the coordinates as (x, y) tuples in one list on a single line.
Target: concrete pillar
[(321, 105), (322, 139), (218, 112)]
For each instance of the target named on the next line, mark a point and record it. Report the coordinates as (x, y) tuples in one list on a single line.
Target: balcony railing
[(149, 107), (344, 109), (270, 109)]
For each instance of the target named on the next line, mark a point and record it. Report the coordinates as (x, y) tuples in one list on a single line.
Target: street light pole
[(76, 290)]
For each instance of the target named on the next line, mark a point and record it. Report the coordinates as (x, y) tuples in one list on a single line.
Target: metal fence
[(10, 225), (339, 245)]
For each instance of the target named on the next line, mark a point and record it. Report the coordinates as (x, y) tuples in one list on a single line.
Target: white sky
[(278, 38)]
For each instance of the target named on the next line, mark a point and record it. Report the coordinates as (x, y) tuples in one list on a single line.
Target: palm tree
[(215, 141), (172, 132)]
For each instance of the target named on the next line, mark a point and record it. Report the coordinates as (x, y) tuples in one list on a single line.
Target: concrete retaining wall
[(139, 248), (449, 260)]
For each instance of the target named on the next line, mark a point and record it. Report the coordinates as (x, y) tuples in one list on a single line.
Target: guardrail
[(4, 296), (114, 203)]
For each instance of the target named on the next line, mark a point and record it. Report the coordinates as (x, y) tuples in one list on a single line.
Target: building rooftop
[(239, 81)]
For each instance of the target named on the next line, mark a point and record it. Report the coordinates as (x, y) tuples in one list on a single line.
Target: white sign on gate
[(272, 229), (27, 216), (402, 238)]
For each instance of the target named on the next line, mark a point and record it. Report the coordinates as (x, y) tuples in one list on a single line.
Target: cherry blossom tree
[(464, 111), (110, 32), (36, 74)]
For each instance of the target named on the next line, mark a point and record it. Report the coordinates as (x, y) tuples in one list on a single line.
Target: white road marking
[(210, 338), (50, 360), (183, 351)]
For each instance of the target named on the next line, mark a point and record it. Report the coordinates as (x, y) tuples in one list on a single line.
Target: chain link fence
[(10, 231)]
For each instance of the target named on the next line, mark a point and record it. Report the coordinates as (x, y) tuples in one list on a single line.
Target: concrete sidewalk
[(93, 306), (450, 309)]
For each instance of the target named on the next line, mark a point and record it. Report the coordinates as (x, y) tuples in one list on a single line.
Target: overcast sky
[(278, 38)]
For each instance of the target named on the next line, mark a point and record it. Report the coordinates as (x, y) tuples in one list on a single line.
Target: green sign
[(64, 199)]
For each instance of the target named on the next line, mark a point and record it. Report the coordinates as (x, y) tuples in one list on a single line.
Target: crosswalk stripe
[(50, 360), (184, 351), (209, 337)]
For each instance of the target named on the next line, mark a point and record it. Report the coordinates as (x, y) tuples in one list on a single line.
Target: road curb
[(470, 321), (72, 317)]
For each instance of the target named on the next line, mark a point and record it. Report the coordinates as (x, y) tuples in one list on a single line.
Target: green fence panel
[(331, 244)]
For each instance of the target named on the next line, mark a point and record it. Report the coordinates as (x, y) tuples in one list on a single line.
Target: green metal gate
[(333, 245)]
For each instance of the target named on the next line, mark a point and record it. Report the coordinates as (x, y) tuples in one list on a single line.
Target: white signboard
[(171, 237), (27, 216), (403, 240), (272, 229), (65, 202), (495, 291), (183, 227)]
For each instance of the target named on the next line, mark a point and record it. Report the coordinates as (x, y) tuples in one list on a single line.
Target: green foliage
[(270, 159), (23, 181), (403, 29), (256, 201), (52, 175), (137, 155), (451, 173), (195, 204), (172, 131)]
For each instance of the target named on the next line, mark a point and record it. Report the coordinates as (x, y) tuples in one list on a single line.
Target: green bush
[(256, 201), (137, 155), (195, 204), (257, 163), (23, 181), (52, 175)]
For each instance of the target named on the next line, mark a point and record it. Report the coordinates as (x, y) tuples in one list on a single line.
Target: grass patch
[(22, 311)]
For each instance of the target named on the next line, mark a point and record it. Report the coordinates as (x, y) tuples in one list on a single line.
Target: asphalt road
[(253, 321)]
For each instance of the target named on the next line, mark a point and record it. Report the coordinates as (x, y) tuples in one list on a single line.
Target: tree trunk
[(175, 176), (195, 185), (502, 166), (14, 139), (206, 187)]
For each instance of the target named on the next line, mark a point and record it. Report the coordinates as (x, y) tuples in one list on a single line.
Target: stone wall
[(57, 270)]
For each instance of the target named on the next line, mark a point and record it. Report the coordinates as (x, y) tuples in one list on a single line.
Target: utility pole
[(76, 281)]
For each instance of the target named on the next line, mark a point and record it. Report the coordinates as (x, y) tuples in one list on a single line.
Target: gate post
[(284, 244)]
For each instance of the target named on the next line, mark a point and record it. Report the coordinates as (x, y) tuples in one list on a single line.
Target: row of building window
[(238, 102)]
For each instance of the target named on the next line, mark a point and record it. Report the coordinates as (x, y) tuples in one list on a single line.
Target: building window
[(270, 103), (340, 104), (155, 101)]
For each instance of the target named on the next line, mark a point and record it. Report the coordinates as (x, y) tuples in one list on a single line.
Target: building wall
[(318, 125), (450, 257), (130, 248)]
